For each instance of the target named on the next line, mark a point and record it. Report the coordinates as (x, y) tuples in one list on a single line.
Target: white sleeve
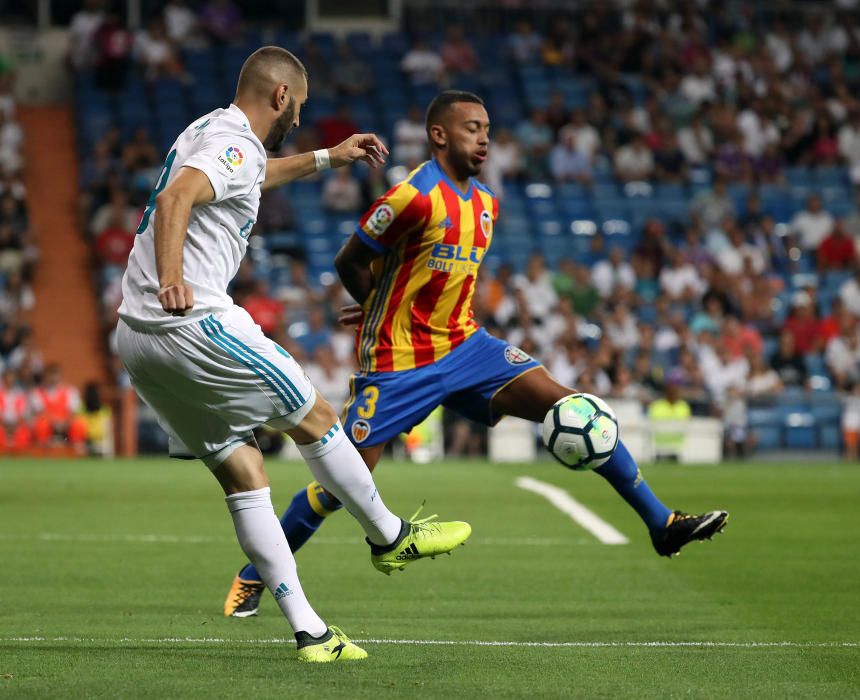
[(231, 162)]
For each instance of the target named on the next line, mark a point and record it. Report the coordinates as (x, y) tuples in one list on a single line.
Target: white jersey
[(221, 145)]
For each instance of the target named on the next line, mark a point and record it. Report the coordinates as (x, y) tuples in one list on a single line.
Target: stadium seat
[(800, 430)]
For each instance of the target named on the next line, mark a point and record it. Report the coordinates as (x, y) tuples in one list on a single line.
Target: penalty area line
[(176, 641), (577, 512)]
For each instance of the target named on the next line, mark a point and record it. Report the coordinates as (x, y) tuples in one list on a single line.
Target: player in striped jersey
[(412, 265)]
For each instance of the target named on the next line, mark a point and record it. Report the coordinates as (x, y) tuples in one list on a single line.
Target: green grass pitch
[(114, 574)]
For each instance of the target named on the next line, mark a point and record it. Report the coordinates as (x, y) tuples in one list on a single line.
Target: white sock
[(263, 541), (336, 464)]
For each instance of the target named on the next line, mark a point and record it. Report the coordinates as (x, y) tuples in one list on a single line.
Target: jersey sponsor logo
[(486, 223), (231, 159), (381, 219), (515, 356), (360, 430), (446, 257)]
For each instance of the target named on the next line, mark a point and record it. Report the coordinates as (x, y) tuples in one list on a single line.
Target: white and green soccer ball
[(580, 431)]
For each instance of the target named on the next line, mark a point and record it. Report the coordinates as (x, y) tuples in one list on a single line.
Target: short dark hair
[(443, 101)]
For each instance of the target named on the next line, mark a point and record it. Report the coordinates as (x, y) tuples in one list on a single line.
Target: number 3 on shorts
[(370, 395)]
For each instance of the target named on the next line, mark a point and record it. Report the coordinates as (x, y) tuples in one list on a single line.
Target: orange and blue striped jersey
[(433, 238)]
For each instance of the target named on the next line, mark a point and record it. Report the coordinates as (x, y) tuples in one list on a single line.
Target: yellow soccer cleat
[(419, 539), (243, 598), (334, 645)]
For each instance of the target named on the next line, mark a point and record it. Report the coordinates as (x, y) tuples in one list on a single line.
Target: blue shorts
[(383, 404)]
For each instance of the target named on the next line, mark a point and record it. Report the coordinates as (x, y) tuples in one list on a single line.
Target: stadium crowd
[(702, 164), (38, 410)]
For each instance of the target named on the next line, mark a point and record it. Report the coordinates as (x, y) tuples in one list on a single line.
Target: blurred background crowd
[(678, 182)]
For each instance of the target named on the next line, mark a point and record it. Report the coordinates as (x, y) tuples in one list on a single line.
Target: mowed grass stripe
[(168, 641)]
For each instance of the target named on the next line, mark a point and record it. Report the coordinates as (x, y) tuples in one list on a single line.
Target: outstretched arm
[(189, 188), (366, 147)]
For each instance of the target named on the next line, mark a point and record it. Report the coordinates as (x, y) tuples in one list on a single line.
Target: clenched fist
[(176, 299)]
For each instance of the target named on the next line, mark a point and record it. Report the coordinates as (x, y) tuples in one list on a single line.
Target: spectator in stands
[(11, 141), (140, 156), (341, 192), (740, 339), (155, 52), (410, 139), (113, 52), (851, 421), (803, 325), (373, 186), (812, 225), (16, 433), (557, 113), (698, 87), (837, 250), (568, 164), (680, 281), (588, 140), (634, 160), (353, 77), (621, 328), (825, 149), (117, 212), (537, 289), (96, 420), (536, 138), (848, 143), (524, 44), (56, 404), (654, 245), (276, 212), (696, 141), (842, 356), (318, 332), (849, 293), (422, 65), (336, 128), (671, 166), (613, 273), (557, 48), (266, 311), (769, 166), (734, 258), (329, 377), (763, 380), (114, 241), (82, 29), (712, 207), (320, 67), (11, 252), (732, 162), (757, 129), (181, 24), (504, 161), (573, 282), (457, 53), (222, 20)]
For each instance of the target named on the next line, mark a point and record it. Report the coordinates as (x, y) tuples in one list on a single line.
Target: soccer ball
[(580, 431)]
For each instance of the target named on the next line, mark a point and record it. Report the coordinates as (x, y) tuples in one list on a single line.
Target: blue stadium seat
[(830, 437), (831, 176), (768, 437), (798, 175), (800, 430)]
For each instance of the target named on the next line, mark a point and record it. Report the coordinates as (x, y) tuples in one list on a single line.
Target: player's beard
[(464, 165), (281, 128)]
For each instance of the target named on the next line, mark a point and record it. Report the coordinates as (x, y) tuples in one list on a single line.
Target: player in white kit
[(209, 372)]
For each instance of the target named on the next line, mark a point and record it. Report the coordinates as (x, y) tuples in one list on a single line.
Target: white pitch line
[(568, 505), (452, 642), (143, 538)]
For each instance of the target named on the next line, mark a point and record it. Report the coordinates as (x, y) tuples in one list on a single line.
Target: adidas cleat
[(243, 600), (419, 539), (334, 645), (685, 528)]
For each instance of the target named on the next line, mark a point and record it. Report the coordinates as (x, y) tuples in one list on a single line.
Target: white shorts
[(213, 381)]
